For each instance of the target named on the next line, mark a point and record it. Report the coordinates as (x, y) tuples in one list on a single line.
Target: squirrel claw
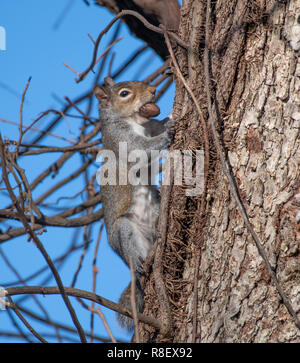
[(170, 129)]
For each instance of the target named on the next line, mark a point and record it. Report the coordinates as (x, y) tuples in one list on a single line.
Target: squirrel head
[(127, 99)]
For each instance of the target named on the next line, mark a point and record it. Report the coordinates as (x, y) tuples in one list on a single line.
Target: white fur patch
[(138, 129)]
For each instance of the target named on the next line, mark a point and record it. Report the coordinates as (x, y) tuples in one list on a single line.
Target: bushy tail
[(125, 321)]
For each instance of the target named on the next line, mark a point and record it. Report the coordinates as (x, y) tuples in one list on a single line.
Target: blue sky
[(35, 48)]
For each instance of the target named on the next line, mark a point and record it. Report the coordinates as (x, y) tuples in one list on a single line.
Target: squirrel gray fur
[(131, 211)]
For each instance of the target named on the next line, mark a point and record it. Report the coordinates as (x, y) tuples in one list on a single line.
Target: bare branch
[(21, 116), (95, 272), (24, 321), (39, 244), (70, 291), (102, 317), (133, 302), (38, 130)]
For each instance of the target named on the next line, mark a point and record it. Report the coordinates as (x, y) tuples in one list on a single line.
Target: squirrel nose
[(152, 89)]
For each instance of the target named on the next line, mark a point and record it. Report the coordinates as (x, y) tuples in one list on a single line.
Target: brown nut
[(149, 110)]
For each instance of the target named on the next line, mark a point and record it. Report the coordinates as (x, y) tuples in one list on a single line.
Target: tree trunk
[(256, 71)]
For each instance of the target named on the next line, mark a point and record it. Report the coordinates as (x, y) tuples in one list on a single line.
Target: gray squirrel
[(131, 211)]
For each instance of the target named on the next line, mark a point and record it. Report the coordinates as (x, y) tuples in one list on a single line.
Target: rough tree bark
[(256, 69)]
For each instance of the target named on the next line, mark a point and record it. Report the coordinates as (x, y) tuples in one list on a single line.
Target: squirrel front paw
[(139, 268), (170, 127), (170, 131)]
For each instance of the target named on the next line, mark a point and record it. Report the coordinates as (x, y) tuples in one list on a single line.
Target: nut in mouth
[(149, 110)]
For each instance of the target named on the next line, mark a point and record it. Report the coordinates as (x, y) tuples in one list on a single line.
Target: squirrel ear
[(102, 94), (109, 82)]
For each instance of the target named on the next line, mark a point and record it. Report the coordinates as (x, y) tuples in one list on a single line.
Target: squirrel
[(131, 211)]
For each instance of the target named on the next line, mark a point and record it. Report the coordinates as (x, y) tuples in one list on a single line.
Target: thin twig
[(38, 130), (89, 35), (82, 256), (71, 68), (62, 222), (133, 302), (102, 317), (61, 113), (130, 61), (31, 205), (108, 49), (21, 117), (56, 261), (95, 272), (160, 80), (63, 182), (109, 73), (97, 60), (162, 91), (24, 321), (63, 158), (43, 114), (106, 29), (158, 72), (62, 15), (59, 219), (55, 149)]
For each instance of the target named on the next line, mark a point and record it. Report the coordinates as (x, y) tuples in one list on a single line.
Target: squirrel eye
[(124, 93)]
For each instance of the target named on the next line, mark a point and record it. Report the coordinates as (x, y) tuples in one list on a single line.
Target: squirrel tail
[(125, 321)]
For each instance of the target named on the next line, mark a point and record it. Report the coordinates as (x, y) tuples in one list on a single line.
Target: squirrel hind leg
[(125, 299), (132, 243)]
